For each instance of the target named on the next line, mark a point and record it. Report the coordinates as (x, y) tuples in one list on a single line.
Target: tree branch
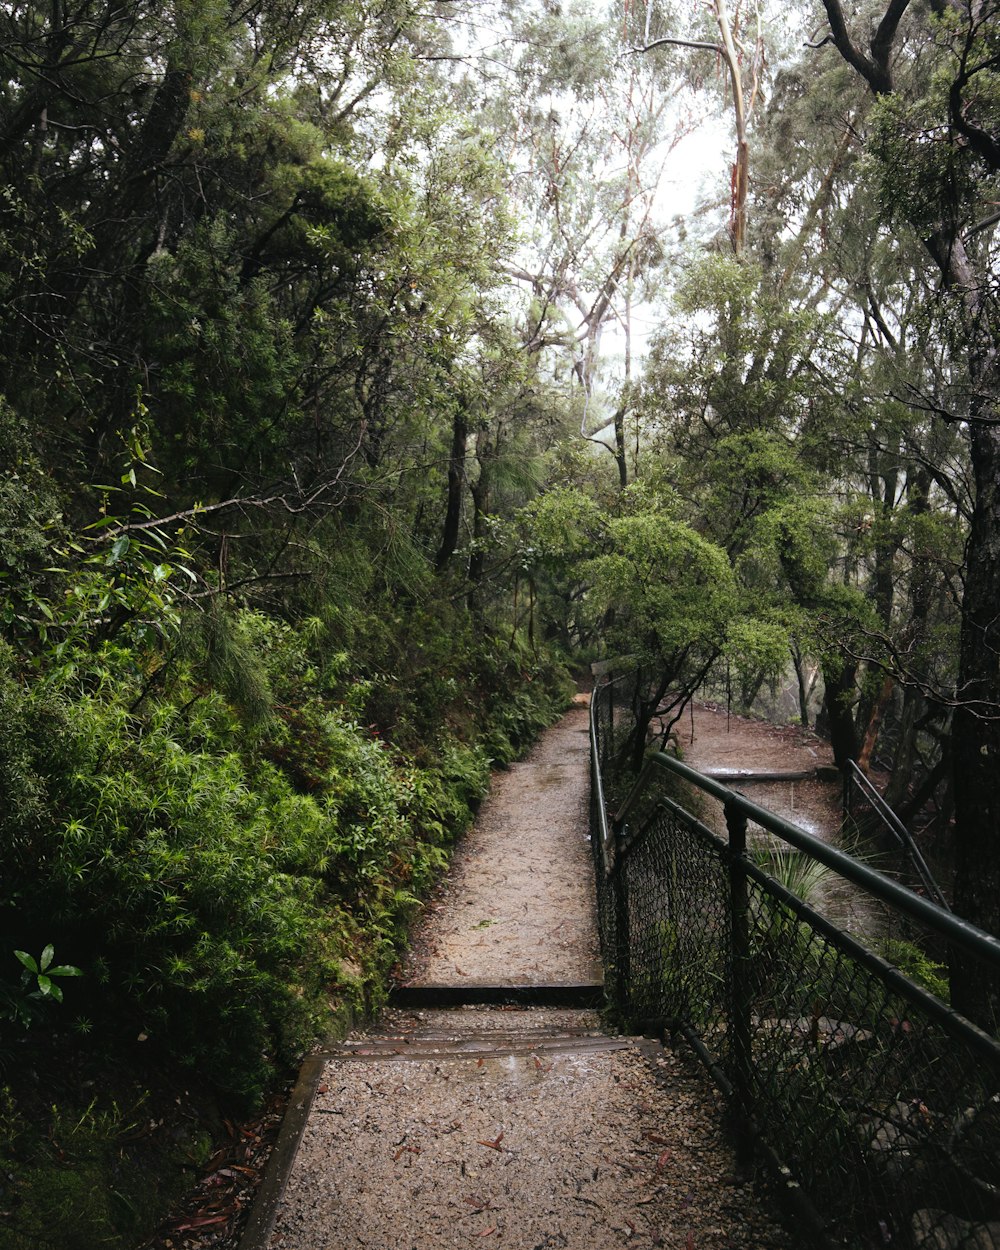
[(676, 43), (875, 69)]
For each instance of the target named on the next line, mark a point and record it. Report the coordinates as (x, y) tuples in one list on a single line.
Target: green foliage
[(756, 646), (915, 963), (83, 1181), (919, 180), (23, 1003), (218, 859), (666, 591), (29, 509), (39, 973)]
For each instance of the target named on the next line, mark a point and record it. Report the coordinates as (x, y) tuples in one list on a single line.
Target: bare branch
[(875, 69), (676, 43), (981, 225)]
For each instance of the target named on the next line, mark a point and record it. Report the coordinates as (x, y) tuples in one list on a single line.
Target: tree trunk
[(620, 449), (477, 561), (874, 725), (882, 484), (916, 632), (838, 700), (805, 686), (456, 485), (976, 733)]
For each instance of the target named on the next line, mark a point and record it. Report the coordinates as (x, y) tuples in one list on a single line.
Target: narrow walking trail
[(524, 1127), (742, 751), (517, 907)]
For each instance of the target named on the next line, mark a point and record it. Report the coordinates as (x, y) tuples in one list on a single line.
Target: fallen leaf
[(656, 1139), (486, 1231), (661, 1161), (322, 1089), (493, 1145)]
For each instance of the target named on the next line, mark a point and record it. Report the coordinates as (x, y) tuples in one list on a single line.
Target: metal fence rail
[(863, 800), (880, 1103)]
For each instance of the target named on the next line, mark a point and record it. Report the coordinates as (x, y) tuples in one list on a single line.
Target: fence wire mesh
[(881, 1102)]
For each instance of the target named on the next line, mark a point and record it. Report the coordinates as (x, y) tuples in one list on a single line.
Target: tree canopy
[(366, 363)]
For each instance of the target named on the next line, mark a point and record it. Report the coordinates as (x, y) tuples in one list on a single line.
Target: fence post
[(736, 824)]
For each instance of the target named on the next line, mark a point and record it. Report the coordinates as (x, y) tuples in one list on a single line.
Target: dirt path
[(518, 904), (712, 741), (514, 1127)]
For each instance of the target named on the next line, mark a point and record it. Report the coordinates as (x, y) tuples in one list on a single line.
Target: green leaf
[(49, 989), (27, 960), (47, 954), (118, 549)]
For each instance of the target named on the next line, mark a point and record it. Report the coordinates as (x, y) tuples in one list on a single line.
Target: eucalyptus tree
[(590, 137), (936, 145), (899, 475)]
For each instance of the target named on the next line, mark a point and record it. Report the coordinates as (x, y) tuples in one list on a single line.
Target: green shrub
[(227, 849)]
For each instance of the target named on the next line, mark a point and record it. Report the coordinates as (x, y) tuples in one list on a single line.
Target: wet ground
[(737, 747), (525, 1128), (716, 742)]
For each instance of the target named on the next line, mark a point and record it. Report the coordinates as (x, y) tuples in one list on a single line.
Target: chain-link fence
[(845, 1065)]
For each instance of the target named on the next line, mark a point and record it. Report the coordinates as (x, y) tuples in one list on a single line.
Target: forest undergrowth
[(219, 868)]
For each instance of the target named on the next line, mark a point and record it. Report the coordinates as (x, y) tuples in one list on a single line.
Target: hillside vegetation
[(354, 381)]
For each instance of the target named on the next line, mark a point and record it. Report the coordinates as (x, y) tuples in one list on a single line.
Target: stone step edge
[(458, 1050), (264, 1209), (578, 996)]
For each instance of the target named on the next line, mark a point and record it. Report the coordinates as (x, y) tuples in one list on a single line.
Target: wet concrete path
[(511, 1126)]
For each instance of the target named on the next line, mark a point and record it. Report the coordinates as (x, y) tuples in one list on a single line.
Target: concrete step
[(459, 994)]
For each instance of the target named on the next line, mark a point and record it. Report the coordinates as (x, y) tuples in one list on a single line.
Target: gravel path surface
[(518, 905), (535, 1139), (526, 1128)]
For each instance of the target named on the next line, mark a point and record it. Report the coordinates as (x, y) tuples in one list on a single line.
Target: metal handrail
[(815, 1039), (983, 945), (899, 831), (597, 785)]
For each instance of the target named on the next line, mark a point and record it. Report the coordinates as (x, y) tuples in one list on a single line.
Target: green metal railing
[(877, 1104)]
